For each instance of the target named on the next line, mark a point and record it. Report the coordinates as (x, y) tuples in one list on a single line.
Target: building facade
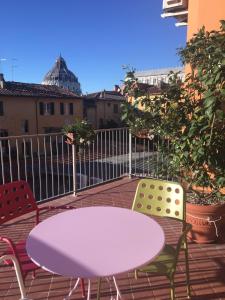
[(62, 77), (27, 108), (103, 109), (195, 13), (157, 76)]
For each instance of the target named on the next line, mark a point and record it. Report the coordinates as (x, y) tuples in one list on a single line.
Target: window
[(101, 123), (62, 109), (50, 108), (71, 108), (4, 133), (25, 126), (41, 108), (1, 109), (115, 108), (47, 108)]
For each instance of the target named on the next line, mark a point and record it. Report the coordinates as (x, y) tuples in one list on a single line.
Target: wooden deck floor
[(207, 262)]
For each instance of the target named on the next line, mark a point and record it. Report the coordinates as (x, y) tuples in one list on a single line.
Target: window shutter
[(41, 108), (71, 108), (115, 108), (52, 108), (1, 108), (26, 126), (62, 111)]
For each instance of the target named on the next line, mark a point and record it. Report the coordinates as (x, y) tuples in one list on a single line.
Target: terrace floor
[(207, 262)]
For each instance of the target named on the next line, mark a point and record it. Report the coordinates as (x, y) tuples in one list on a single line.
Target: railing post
[(130, 153), (74, 169)]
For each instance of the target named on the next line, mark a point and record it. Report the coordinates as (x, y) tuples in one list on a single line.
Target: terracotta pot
[(143, 134), (70, 138), (208, 222)]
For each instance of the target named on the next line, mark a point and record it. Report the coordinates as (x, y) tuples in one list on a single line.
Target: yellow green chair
[(165, 199)]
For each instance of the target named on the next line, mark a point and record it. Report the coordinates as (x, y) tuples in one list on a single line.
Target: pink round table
[(95, 242)]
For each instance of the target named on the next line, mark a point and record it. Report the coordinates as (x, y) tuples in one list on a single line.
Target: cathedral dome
[(61, 76)]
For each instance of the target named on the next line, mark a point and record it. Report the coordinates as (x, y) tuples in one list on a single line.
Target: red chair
[(16, 199)]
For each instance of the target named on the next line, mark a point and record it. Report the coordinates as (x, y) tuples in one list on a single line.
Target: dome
[(61, 76)]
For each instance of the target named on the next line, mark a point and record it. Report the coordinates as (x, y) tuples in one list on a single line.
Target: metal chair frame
[(18, 274), (16, 199), (165, 199)]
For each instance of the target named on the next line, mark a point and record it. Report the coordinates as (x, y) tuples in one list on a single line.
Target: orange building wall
[(204, 12)]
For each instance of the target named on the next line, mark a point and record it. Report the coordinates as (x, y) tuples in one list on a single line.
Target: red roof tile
[(20, 89)]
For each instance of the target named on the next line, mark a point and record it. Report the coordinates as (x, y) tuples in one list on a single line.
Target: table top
[(94, 242)]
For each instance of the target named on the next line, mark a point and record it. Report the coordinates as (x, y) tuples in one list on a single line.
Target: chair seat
[(25, 262), (163, 263)]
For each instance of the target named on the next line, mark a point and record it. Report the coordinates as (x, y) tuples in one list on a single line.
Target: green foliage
[(83, 133), (190, 115)]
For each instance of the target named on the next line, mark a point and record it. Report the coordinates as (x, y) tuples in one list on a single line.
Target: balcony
[(48, 164), (53, 169), (177, 9), (207, 262), (175, 5)]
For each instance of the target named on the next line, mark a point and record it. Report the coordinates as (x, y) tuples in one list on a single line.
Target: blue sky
[(95, 37)]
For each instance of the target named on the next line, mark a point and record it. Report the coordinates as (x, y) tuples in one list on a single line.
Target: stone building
[(157, 76), (62, 77), (103, 109), (28, 108)]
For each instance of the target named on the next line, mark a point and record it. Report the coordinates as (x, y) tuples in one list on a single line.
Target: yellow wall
[(142, 107), (17, 109), (105, 111), (204, 12), (58, 120)]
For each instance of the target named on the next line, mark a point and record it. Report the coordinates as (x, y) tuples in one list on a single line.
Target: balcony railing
[(175, 5), (177, 9), (54, 168)]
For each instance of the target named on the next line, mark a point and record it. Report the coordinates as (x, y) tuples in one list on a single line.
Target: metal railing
[(54, 168)]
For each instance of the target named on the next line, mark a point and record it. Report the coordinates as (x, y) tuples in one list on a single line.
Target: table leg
[(99, 288), (89, 290), (73, 289), (118, 293)]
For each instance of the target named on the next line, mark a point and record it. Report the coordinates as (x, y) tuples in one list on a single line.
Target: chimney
[(2, 81)]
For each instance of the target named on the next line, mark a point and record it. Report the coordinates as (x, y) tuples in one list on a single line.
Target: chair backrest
[(160, 198), (16, 199)]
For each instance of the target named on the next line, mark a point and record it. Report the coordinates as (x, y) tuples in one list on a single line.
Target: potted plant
[(137, 120), (80, 134), (191, 117)]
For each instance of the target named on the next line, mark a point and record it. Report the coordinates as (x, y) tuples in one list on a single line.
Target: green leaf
[(209, 102), (222, 24)]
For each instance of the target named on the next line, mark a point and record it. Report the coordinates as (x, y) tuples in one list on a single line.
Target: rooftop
[(106, 95), (207, 262), (155, 72), (21, 89), (152, 89), (61, 76)]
